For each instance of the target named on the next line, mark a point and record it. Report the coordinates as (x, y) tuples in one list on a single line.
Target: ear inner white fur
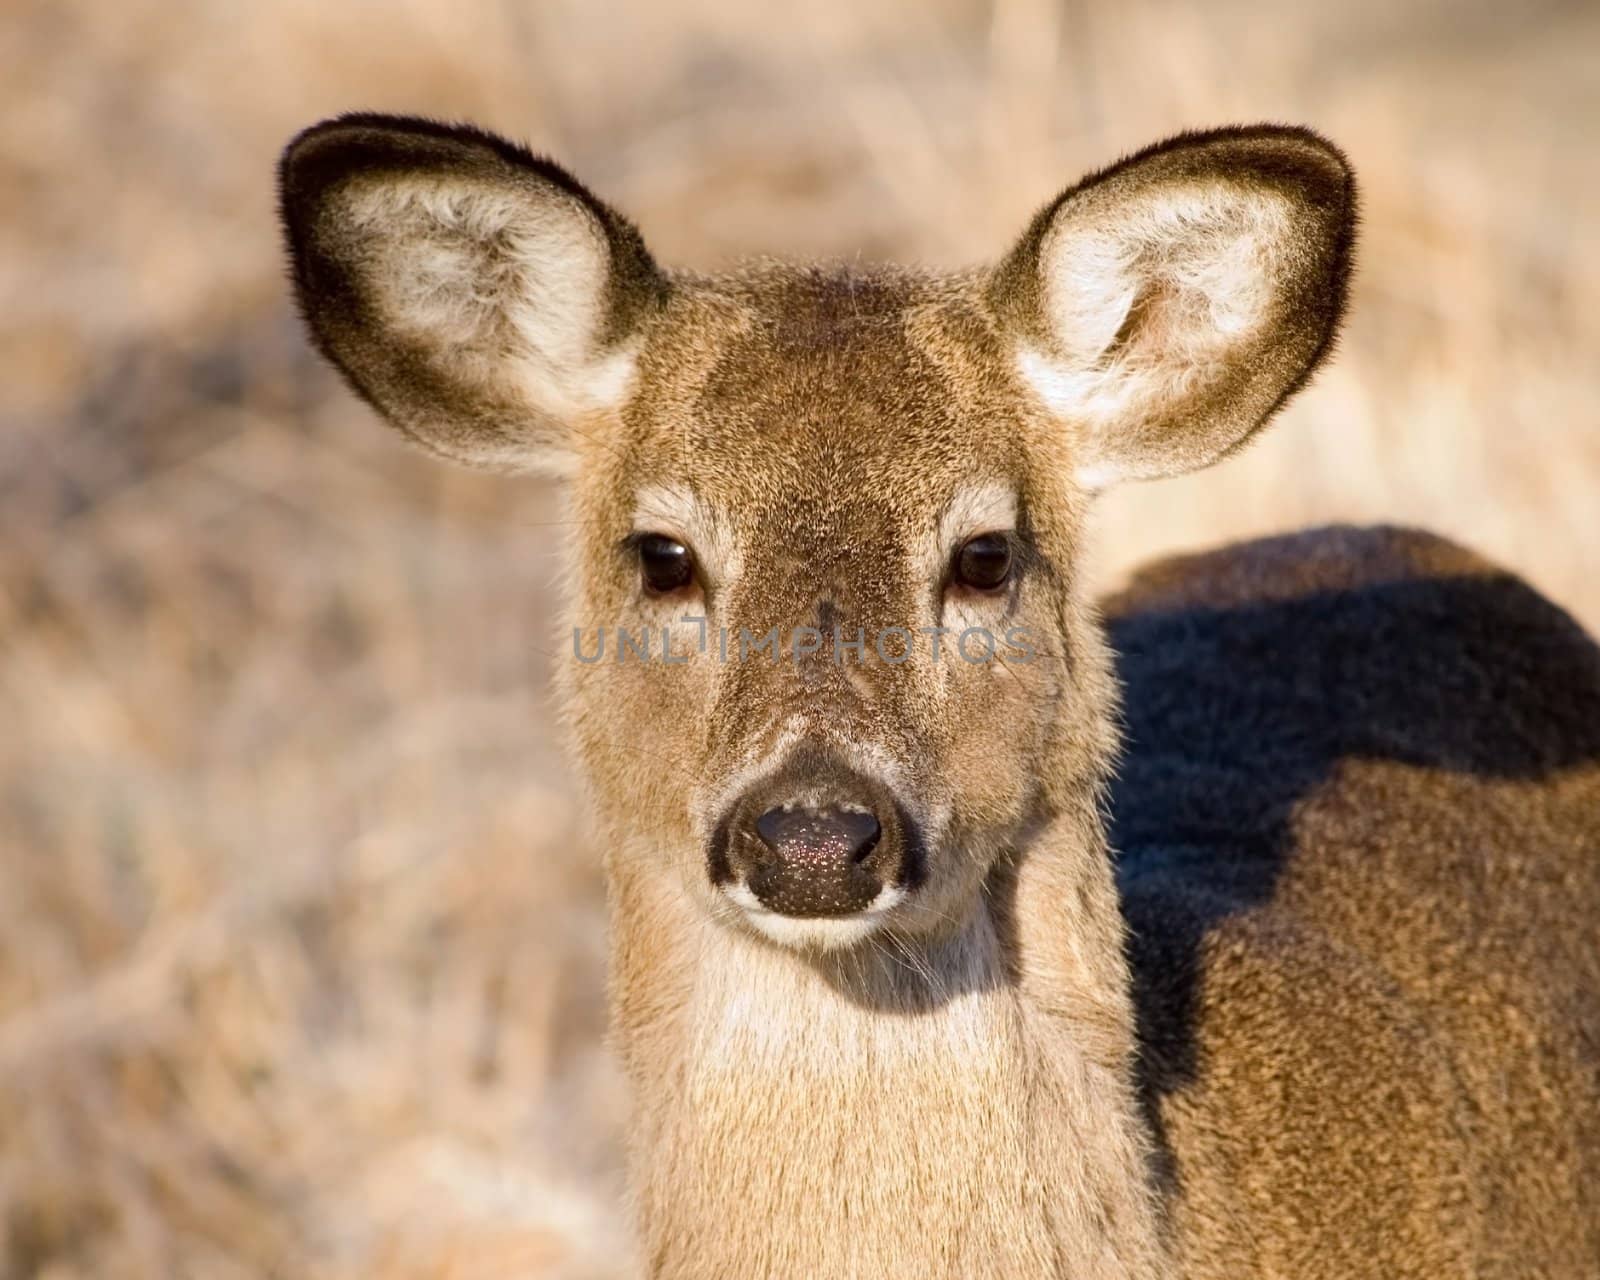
[(489, 276)]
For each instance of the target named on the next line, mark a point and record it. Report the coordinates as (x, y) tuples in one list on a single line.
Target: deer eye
[(984, 562), (665, 564)]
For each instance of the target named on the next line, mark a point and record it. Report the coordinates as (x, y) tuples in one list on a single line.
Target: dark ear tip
[(371, 143), (318, 157), (1319, 162), (366, 141), (333, 136), (1274, 152)]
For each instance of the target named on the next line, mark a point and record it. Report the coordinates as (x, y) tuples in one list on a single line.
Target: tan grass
[(300, 946)]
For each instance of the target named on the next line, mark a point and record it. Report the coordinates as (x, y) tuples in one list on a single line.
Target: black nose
[(814, 862), (822, 839), (816, 839)]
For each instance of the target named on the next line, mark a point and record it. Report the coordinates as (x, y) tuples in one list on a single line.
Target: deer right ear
[(477, 296), (1164, 308)]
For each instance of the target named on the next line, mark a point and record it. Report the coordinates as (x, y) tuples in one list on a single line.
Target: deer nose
[(815, 862), (816, 838), (819, 838)]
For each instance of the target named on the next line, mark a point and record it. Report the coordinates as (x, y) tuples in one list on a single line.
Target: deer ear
[(477, 296), (1164, 308)]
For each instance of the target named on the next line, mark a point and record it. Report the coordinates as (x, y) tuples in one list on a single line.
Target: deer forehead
[(814, 414)]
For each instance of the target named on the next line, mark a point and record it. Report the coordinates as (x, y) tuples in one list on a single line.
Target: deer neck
[(952, 1108)]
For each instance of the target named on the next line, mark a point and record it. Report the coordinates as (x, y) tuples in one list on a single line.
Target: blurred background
[(300, 943)]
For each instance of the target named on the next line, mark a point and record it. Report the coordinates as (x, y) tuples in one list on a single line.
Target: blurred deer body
[(873, 978)]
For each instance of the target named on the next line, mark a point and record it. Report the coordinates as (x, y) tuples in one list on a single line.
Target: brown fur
[(1361, 864), (1349, 1022)]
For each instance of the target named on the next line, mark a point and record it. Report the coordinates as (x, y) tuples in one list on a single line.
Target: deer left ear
[(478, 296), (1164, 308)]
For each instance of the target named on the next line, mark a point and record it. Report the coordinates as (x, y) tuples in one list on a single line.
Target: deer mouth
[(816, 933)]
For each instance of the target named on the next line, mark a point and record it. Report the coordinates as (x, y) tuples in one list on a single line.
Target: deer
[(1243, 924)]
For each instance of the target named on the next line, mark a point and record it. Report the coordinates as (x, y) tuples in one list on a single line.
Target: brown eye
[(664, 563), (984, 562)]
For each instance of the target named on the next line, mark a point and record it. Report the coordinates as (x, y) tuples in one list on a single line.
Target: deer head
[(828, 519)]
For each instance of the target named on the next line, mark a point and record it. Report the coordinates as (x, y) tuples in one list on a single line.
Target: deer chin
[(815, 933)]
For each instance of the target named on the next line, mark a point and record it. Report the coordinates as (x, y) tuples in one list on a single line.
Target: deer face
[(830, 659), (814, 467)]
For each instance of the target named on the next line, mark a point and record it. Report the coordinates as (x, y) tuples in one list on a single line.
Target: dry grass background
[(300, 946)]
